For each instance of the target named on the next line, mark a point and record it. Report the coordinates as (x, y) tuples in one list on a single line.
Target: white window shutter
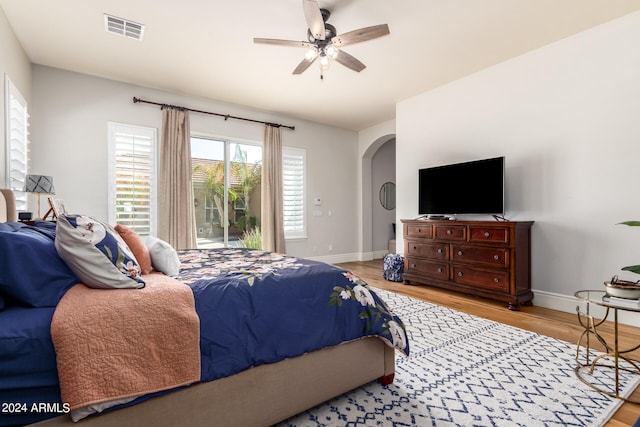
[(17, 130), (293, 190), (132, 158)]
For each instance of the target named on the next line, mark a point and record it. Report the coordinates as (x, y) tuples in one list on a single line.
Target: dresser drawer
[(485, 279), (424, 231), (489, 234), (450, 232), (437, 251), (494, 257), (435, 270)]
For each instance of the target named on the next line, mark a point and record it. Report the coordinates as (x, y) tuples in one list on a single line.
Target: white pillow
[(96, 254), (163, 257)]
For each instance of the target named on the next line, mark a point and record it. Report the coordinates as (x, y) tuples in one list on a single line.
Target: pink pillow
[(137, 246)]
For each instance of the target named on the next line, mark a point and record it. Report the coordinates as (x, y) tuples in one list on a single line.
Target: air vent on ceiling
[(123, 27)]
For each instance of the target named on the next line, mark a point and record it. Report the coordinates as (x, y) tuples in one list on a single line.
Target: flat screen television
[(475, 187)]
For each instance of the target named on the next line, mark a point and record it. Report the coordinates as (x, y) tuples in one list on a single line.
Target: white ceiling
[(205, 47)]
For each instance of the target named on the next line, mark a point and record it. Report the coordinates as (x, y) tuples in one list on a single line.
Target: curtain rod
[(226, 116)]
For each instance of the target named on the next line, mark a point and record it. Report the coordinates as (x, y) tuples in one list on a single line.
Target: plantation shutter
[(17, 137), (293, 190), (133, 181)]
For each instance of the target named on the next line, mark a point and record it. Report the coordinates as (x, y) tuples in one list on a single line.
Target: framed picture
[(56, 208)]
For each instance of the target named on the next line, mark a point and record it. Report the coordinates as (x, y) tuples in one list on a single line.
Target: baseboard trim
[(380, 254), (569, 304), (353, 257), (336, 259)]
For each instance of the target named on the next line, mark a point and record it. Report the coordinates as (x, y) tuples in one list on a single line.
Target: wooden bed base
[(260, 396)]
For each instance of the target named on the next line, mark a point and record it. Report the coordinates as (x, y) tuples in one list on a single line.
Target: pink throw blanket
[(119, 343)]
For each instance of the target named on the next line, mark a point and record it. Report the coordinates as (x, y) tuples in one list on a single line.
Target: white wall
[(567, 118), (70, 112), (15, 64)]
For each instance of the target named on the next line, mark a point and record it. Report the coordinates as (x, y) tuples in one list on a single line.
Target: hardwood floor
[(544, 321)]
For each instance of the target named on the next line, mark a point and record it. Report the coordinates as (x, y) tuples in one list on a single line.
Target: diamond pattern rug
[(468, 371)]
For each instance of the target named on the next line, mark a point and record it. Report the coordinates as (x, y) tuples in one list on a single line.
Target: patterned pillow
[(393, 267), (96, 254)]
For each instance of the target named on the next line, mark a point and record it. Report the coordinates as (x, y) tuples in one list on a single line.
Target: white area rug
[(468, 371)]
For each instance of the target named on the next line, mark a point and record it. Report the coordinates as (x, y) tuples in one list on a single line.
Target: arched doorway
[(373, 217)]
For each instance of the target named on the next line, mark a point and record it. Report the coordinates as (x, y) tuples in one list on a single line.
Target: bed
[(267, 381)]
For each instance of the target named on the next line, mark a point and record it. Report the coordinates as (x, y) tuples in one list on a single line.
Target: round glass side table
[(613, 357)]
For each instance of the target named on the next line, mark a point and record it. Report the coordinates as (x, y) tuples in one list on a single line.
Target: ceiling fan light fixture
[(311, 54), (331, 51), (324, 61)]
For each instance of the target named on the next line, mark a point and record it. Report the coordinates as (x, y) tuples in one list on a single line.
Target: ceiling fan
[(324, 42)]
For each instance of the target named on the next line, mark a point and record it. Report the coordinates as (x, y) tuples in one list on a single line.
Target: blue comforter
[(255, 307), (258, 307)]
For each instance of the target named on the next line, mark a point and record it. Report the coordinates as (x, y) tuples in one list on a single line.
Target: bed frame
[(260, 396)]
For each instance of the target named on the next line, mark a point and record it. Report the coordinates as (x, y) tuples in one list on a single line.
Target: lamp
[(40, 184)]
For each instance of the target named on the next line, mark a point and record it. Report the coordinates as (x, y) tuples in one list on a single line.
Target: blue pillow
[(31, 272)]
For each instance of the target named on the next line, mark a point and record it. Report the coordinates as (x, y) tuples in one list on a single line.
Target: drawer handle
[(496, 280), (459, 252), (496, 257), (439, 269), (415, 248), (419, 230), (460, 273), (448, 231), (440, 250), (487, 234)]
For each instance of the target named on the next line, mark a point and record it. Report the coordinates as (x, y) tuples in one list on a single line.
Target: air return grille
[(123, 27)]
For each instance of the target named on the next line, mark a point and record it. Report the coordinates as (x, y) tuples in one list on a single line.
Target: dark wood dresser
[(491, 259)]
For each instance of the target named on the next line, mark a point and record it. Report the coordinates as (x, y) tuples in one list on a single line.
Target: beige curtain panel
[(272, 216), (177, 222)]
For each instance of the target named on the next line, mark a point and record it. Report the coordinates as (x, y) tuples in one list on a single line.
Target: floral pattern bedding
[(259, 307)]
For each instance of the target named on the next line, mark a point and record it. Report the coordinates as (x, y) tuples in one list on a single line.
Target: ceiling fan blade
[(302, 66), (361, 35), (278, 42), (349, 61), (314, 18)]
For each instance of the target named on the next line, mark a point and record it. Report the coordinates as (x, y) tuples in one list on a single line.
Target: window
[(239, 209), (293, 190), (17, 139), (132, 177), (226, 175)]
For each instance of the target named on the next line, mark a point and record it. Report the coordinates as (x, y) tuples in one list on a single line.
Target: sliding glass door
[(226, 188)]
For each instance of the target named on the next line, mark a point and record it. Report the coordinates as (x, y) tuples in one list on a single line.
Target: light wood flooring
[(545, 321)]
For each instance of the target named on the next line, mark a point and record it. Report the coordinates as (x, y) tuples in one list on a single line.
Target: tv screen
[(475, 187)]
